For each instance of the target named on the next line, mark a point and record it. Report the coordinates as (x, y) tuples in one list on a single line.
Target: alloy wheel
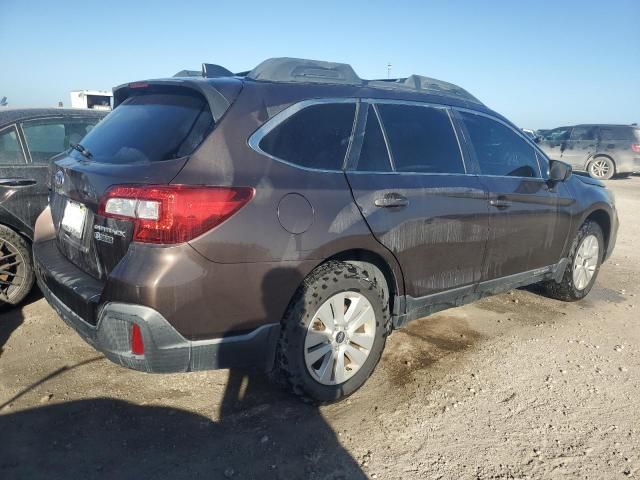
[(11, 270), (600, 168), (339, 338), (585, 262)]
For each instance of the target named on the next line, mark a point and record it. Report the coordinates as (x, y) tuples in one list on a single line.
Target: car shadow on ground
[(11, 317), (262, 432)]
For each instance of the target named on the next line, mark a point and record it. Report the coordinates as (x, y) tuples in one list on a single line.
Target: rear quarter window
[(315, 137), (150, 127), (617, 134)]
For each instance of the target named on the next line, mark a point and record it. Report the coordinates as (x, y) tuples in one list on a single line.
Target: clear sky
[(540, 63)]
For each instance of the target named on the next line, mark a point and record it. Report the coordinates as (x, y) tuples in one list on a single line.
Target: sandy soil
[(515, 386)]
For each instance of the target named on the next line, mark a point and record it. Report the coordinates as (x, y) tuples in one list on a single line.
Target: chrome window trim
[(384, 136), (455, 131), (256, 137), (417, 173), (26, 160), (516, 131)]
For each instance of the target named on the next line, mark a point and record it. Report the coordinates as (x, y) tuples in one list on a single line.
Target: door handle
[(391, 200), (500, 203), (17, 182)]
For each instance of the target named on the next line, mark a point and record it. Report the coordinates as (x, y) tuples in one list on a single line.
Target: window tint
[(421, 139), (315, 137), (45, 138), (373, 155), (150, 127), (583, 133), (10, 150), (557, 134), (617, 133), (499, 150)]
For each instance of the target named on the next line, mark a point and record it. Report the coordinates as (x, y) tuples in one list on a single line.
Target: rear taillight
[(172, 213), (635, 147), (137, 345)]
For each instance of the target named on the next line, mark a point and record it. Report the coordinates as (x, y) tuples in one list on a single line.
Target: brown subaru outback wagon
[(290, 217)]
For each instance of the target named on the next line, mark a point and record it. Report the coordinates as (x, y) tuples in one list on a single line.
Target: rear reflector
[(172, 213), (137, 346), (635, 147)]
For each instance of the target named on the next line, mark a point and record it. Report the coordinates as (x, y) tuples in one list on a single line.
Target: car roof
[(323, 77), (605, 125), (11, 115)]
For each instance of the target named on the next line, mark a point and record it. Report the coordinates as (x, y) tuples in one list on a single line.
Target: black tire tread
[(330, 271), (564, 290), (21, 244)]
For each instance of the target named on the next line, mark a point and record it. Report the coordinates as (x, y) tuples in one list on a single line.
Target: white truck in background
[(96, 99)]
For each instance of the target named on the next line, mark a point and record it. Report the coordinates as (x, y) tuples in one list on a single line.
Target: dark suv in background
[(290, 217), (29, 137), (601, 150)]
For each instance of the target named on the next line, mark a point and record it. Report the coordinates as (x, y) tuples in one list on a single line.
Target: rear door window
[(374, 156), (421, 139), (616, 133), (48, 137), (45, 138), (10, 149), (498, 149), (315, 137), (150, 126)]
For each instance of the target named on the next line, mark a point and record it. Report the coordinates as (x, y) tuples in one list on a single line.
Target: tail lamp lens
[(171, 214), (635, 147), (137, 345)]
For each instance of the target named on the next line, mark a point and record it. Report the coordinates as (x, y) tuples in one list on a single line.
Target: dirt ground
[(515, 386)]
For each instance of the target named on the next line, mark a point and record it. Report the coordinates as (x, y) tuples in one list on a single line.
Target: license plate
[(73, 219)]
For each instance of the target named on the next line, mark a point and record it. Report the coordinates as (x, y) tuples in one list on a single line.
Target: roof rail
[(188, 73), (287, 69), (300, 70), (424, 84)]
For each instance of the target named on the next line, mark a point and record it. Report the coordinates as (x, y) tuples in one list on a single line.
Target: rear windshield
[(150, 127)]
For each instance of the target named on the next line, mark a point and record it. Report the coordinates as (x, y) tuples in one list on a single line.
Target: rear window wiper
[(85, 153)]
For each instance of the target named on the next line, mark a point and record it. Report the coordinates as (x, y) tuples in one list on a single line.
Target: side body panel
[(526, 230)]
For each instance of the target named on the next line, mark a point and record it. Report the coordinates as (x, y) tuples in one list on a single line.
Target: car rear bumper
[(107, 326), (627, 163)]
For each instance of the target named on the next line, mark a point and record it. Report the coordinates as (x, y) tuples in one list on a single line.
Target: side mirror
[(559, 171)]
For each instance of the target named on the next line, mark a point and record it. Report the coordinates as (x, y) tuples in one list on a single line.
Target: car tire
[(312, 317), (576, 283), (16, 267), (601, 168)]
